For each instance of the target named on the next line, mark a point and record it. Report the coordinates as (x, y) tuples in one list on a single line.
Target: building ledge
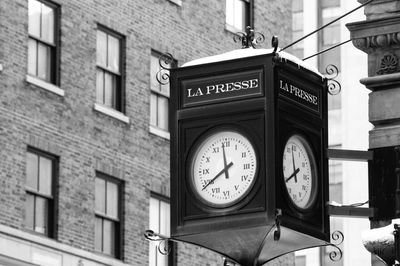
[(111, 112), (45, 85), (159, 132), (40, 250)]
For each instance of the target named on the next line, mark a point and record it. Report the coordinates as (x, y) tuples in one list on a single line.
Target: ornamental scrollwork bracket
[(332, 73), (166, 62), (249, 38), (337, 239), (164, 243)]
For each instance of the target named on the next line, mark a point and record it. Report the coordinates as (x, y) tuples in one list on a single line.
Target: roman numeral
[(206, 171), (236, 187), (226, 144), (244, 177), (216, 150), (244, 154), (215, 190), (207, 159), (226, 193), (246, 166)]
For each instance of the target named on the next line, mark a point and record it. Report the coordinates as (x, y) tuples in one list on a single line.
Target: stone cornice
[(378, 33)]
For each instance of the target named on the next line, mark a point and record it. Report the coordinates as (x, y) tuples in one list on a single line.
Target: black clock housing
[(266, 98)]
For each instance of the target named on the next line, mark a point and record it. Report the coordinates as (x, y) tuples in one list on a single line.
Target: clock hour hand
[(294, 167), (225, 164), (220, 173), (293, 175)]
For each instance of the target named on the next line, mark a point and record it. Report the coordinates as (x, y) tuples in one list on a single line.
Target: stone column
[(379, 37)]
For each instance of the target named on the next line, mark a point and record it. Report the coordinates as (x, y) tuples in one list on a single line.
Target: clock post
[(248, 163)]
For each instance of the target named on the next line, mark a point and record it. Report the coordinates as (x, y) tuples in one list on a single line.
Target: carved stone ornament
[(377, 41), (388, 64)]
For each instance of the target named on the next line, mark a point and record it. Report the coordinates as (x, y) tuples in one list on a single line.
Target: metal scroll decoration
[(164, 245), (249, 38), (337, 238), (334, 86), (166, 62)]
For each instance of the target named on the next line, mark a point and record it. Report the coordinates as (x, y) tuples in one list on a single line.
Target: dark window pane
[(112, 200), (108, 237), (32, 57), (100, 195), (47, 30), (100, 86), (98, 234), (41, 215), (32, 170), (110, 84), (113, 53), (101, 50), (44, 61), (34, 18), (153, 109), (29, 211), (46, 171), (163, 112)]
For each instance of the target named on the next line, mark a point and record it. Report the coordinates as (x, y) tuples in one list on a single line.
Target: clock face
[(223, 168), (299, 172)]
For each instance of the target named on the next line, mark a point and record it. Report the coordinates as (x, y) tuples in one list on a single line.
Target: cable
[(326, 25), (326, 50)]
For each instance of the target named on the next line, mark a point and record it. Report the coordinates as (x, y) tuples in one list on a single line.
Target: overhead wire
[(326, 25)]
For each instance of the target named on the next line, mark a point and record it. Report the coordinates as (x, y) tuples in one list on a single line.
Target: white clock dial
[(223, 168), (299, 172)]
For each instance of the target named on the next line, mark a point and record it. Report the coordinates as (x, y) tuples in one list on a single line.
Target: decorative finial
[(275, 43), (249, 38)]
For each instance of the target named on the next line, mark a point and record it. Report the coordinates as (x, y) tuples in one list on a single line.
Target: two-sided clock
[(223, 168), (299, 172)]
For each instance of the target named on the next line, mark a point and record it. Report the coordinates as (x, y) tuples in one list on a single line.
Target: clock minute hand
[(225, 165), (220, 173), (292, 175), (294, 167)]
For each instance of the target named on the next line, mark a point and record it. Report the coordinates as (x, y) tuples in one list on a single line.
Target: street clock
[(248, 155)]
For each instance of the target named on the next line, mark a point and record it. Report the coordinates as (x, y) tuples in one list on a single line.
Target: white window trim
[(111, 112), (159, 132), (176, 2), (45, 85), (232, 29)]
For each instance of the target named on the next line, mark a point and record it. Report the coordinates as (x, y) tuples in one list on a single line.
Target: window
[(237, 15), (297, 27), (108, 216), (330, 35), (40, 177), (109, 69), (159, 96), (159, 222), (42, 43)]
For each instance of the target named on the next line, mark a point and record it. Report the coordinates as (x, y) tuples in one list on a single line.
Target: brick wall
[(86, 140)]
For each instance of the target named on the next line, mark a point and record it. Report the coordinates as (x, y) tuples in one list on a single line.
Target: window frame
[(52, 199), (55, 48), (249, 20), (118, 221), (172, 256), (120, 88)]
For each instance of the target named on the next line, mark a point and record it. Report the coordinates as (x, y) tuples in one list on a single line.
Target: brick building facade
[(81, 154)]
